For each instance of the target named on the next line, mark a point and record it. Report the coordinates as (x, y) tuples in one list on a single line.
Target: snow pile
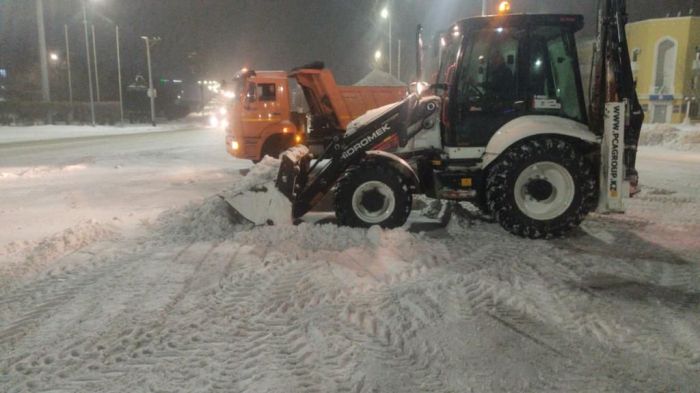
[(671, 136), (253, 200), (370, 116), (212, 219), (22, 259), (257, 198), (379, 78), (361, 257)]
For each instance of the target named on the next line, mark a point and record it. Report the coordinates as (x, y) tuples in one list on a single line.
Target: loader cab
[(500, 68)]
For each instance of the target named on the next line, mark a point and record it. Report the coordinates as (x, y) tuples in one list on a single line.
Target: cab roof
[(571, 21)]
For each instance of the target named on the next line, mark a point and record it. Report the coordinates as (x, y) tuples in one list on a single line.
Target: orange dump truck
[(264, 118)]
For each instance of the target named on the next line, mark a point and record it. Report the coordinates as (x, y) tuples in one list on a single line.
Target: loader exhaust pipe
[(419, 54)]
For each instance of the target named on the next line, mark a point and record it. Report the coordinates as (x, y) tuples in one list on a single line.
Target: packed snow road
[(176, 294)]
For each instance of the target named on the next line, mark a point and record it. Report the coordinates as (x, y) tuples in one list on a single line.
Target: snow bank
[(677, 137), (16, 134), (379, 78), (12, 173), (23, 259)]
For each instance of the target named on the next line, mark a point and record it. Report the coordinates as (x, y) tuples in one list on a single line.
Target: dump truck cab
[(274, 110), (261, 120)]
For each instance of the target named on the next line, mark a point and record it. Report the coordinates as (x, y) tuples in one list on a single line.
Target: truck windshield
[(239, 86)]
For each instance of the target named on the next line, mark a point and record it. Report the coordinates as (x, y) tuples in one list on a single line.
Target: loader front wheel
[(372, 194), (542, 188)]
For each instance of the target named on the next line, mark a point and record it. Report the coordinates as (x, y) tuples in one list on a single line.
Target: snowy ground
[(121, 270)]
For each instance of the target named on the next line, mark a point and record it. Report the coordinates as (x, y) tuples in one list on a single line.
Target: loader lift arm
[(306, 184)]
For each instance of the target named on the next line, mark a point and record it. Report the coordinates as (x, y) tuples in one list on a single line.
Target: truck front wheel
[(542, 188), (372, 194), (274, 146)]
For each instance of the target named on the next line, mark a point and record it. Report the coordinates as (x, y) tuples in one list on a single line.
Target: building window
[(665, 66)]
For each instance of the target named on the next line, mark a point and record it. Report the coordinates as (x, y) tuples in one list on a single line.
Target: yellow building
[(666, 64)]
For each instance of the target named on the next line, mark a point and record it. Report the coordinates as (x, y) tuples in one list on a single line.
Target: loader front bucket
[(268, 193)]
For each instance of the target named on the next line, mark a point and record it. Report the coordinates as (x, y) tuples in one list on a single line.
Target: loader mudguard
[(397, 163)]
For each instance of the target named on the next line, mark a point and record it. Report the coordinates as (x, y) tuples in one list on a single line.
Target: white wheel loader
[(504, 126)]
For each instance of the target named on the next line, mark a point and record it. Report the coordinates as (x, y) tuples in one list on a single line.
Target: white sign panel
[(613, 166)]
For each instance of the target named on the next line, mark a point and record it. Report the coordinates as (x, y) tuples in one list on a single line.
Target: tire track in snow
[(89, 351)]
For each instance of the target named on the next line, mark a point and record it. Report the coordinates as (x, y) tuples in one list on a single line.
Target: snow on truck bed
[(199, 300)]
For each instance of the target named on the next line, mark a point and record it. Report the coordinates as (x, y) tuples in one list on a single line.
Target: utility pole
[(45, 88), (70, 79), (89, 66), (97, 75), (151, 90), (119, 75)]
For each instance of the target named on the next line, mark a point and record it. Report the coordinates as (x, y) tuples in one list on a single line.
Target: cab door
[(487, 90), (264, 104)]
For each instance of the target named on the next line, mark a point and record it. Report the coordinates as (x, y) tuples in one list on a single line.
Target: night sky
[(265, 34)]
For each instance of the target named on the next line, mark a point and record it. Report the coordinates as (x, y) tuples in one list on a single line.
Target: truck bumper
[(241, 149)]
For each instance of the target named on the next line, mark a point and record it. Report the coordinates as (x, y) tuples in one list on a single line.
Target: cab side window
[(553, 78), (267, 92)]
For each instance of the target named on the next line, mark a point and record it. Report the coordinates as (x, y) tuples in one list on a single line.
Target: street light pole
[(387, 15), (45, 88), (151, 91), (484, 7), (70, 79), (119, 77), (97, 75), (89, 66), (391, 51)]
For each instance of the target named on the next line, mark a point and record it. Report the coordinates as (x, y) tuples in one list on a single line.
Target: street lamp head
[(377, 55), (385, 13), (53, 56)]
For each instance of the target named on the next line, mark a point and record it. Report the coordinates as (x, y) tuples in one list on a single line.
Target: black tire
[(502, 178), (360, 175), (275, 146)]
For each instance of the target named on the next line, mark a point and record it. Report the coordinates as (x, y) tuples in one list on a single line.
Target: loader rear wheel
[(542, 188), (372, 194)]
